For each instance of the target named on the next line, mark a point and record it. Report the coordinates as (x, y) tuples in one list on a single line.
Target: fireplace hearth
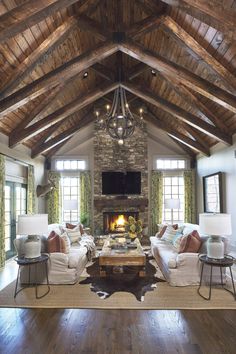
[(114, 222)]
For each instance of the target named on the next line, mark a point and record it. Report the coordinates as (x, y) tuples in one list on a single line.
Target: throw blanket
[(88, 242)]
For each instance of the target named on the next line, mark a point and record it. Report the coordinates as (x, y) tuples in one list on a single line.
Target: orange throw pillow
[(190, 243), (55, 243)]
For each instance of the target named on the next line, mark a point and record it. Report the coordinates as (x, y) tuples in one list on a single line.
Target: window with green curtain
[(54, 198), (85, 198), (2, 211), (189, 197), (156, 201), (31, 194)]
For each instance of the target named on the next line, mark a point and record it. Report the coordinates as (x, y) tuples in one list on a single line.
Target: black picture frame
[(212, 193)]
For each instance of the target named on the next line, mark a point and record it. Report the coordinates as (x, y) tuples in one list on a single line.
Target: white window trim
[(69, 157), (171, 157)]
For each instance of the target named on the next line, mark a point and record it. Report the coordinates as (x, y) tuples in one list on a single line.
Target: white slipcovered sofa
[(181, 269), (62, 268)]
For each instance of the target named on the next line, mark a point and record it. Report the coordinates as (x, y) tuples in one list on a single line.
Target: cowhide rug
[(125, 279)]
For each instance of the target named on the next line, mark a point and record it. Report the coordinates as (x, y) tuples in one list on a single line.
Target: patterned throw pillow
[(177, 240), (190, 243), (73, 234), (162, 228), (65, 237), (55, 243), (169, 233), (72, 226)]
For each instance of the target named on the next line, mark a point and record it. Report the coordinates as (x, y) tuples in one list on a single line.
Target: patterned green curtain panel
[(189, 197), (31, 193), (2, 211), (53, 198), (156, 201), (85, 198)]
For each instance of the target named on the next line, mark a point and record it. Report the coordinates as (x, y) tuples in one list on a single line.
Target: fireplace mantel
[(121, 202)]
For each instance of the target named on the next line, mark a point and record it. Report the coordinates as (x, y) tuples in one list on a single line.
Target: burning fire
[(118, 224)]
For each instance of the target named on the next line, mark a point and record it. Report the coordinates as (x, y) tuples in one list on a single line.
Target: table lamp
[(171, 203), (216, 226), (32, 226)]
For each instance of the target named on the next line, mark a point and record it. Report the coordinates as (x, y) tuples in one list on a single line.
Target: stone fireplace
[(114, 222), (110, 156)]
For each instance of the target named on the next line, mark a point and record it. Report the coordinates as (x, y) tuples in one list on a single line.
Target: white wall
[(222, 159), (22, 154)]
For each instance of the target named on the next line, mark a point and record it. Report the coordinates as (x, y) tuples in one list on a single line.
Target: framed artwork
[(212, 193)]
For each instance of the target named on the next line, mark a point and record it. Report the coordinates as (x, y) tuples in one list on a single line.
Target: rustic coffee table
[(122, 257)]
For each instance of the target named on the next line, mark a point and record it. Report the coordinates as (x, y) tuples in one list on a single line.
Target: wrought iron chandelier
[(118, 120)]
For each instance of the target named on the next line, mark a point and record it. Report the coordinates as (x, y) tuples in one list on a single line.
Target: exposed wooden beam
[(144, 26), (188, 41), (150, 117), (103, 71), (62, 73), (188, 78), (62, 113), (88, 24), (37, 56), (194, 102), (62, 136), (28, 14), (178, 112), (215, 13), (151, 7)]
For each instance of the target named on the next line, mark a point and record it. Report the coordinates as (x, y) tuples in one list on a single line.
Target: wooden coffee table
[(119, 258)]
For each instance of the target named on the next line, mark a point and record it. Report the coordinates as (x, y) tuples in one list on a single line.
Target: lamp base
[(32, 247), (215, 247)]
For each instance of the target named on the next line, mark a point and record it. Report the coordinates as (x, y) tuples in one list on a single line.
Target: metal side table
[(32, 262), (227, 261)]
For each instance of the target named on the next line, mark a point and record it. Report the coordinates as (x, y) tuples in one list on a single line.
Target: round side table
[(32, 262), (227, 261)]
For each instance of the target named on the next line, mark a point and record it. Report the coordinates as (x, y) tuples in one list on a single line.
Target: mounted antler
[(43, 190)]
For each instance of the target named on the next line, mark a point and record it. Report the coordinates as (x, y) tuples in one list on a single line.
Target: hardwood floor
[(49, 331), (46, 331)]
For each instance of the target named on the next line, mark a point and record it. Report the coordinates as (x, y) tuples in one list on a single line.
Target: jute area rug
[(81, 295)]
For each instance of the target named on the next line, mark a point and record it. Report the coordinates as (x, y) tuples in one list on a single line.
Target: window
[(70, 198), (70, 165), (170, 164), (173, 187)]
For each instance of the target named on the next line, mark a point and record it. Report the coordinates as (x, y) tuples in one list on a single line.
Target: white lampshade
[(215, 224), (70, 204), (36, 224), (172, 203)]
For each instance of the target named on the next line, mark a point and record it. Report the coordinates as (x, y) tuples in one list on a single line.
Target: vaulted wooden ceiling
[(176, 57)]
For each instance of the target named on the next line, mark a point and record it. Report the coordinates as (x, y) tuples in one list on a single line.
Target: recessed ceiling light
[(153, 72), (85, 75)]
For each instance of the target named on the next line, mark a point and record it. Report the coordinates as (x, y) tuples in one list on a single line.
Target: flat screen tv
[(120, 183)]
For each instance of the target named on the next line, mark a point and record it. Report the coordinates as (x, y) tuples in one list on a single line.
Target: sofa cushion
[(190, 243), (65, 237), (55, 243), (72, 226)]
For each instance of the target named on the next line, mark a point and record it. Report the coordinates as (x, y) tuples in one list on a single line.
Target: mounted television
[(120, 183)]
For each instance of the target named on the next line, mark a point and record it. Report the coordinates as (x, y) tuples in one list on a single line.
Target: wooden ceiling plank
[(144, 26), (28, 14), (137, 70), (63, 112), (177, 112), (88, 24), (37, 110), (188, 78), (85, 120), (37, 56), (151, 7), (103, 71), (188, 41), (150, 117), (212, 12), (59, 75), (188, 96)]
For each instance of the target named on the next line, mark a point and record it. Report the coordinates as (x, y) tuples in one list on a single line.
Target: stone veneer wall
[(110, 156)]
